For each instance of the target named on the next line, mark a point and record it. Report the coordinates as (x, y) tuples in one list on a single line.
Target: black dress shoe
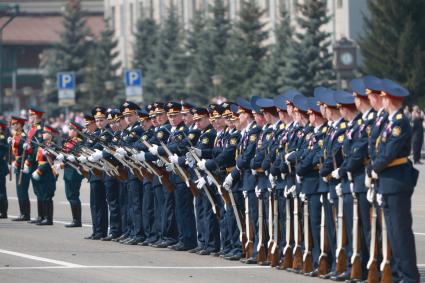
[(115, 239), (98, 237), (204, 252), (234, 257), (162, 245), (35, 221), (216, 254), (340, 277), (144, 243), (243, 259), (314, 273), (195, 250), (179, 248), (251, 260), (3, 215), (132, 242), (172, 247), (107, 239), (22, 218), (89, 237), (73, 225), (327, 276)]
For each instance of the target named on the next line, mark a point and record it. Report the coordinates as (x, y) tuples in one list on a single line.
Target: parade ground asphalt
[(30, 253)]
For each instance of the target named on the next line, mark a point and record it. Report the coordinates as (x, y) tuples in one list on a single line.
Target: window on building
[(112, 17), (339, 4)]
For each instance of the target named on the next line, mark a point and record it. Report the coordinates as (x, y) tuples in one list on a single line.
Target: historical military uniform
[(4, 168), (46, 176), (17, 142)]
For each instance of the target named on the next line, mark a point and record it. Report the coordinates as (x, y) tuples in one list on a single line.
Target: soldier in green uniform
[(4, 169), (71, 176)]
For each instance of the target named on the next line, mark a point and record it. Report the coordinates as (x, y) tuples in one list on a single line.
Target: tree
[(72, 50), (105, 84), (393, 45), (243, 61), (311, 48), (170, 63), (144, 50)]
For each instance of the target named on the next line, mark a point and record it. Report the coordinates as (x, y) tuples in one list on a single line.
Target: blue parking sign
[(66, 80), (66, 88), (133, 85)]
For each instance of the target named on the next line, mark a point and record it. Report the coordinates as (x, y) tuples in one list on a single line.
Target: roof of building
[(42, 29)]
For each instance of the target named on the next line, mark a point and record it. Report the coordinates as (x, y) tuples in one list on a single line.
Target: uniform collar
[(365, 114)]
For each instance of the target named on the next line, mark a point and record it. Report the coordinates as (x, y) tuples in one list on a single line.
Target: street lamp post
[(160, 85), (216, 81), (11, 11)]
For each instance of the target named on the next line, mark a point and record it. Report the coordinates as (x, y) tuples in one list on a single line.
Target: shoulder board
[(282, 126), (207, 131), (38, 127), (191, 136), (253, 137), (254, 126), (205, 140), (181, 128), (160, 134), (359, 121), (341, 139), (399, 116), (371, 116), (23, 134), (343, 125), (324, 130)]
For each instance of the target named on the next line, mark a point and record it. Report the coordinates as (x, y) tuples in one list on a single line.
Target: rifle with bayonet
[(356, 269)]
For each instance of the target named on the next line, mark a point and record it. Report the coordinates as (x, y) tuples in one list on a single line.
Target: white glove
[(302, 197), (201, 164), (286, 192), (160, 163), (210, 180), (379, 199), (190, 158), (288, 155), (25, 146), (245, 194), (338, 190), (228, 180), (283, 176), (190, 162), (227, 186), (141, 156), (197, 151), (169, 167), (35, 176), (97, 155), (370, 195), (335, 174), (293, 191), (60, 157), (117, 155), (272, 180), (57, 166), (121, 151), (298, 178), (253, 172), (26, 170), (154, 149), (330, 199), (200, 183), (9, 140), (257, 192), (82, 159), (321, 199), (43, 152), (325, 179), (374, 175), (368, 181), (174, 159), (71, 158)]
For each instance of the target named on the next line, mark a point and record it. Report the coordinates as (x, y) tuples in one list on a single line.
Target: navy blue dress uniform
[(130, 138), (19, 137), (308, 170), (98, 204), (34, 134), (397, 179), (72, 178), (4, 168), (207, 221), (164, 199), (184, 211), (246, 151), (46, 176)]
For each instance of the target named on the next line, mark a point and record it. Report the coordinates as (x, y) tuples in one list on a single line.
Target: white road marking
[(134, 267), (54, 221), (420, 234), (43, 259), (60, 202)]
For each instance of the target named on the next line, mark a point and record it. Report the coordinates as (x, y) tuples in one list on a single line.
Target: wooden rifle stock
[(297, 263), (239, 222), (261, 250), (307, 257), (386, 274), (341, 257), (249, 246), (270, 226), (356, 269), (274, 249), (324, 244), (287, 251), (372, 264)]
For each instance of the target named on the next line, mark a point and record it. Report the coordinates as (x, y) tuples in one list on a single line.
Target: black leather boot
[(24, 207), (76, 216), (40, 205), (3, 208), (48, 216)]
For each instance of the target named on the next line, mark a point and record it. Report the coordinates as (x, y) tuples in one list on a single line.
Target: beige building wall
[(125, 13)]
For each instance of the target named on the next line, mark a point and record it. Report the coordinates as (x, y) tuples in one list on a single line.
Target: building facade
[(347, 20)]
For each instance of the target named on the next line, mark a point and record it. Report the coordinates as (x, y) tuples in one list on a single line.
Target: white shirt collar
[(365, 114)]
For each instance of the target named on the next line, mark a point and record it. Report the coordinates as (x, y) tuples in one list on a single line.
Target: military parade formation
[(319, 185)]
